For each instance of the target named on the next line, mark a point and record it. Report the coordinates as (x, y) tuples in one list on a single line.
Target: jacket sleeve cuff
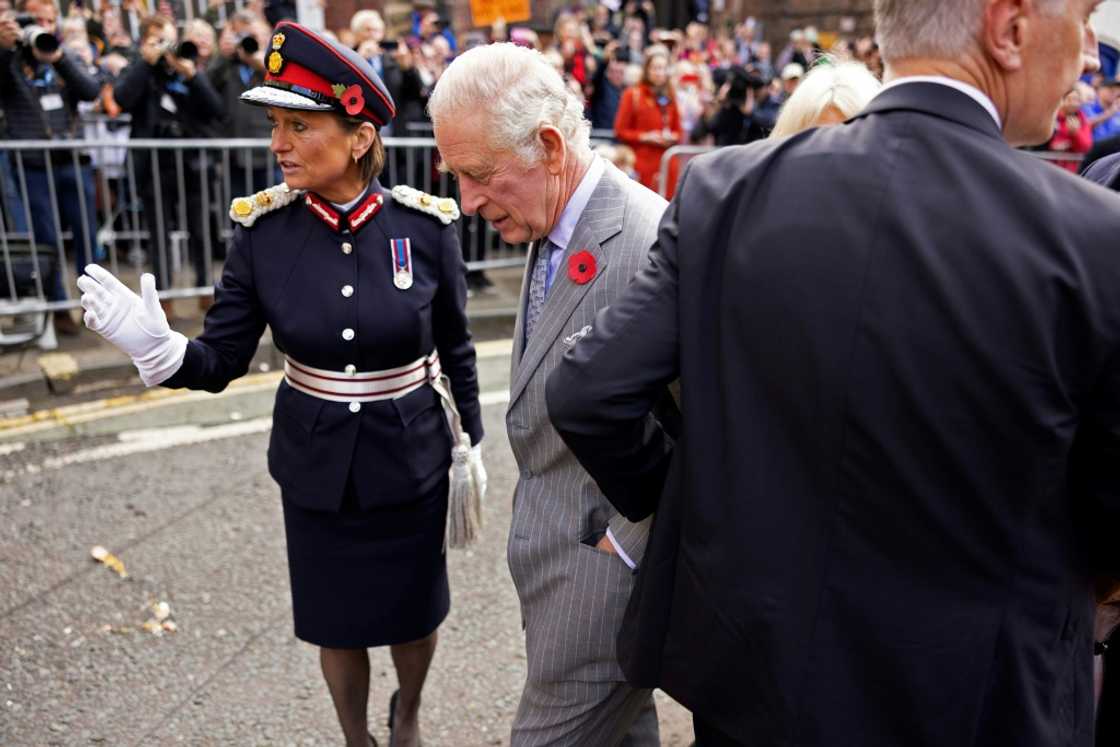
[(629, 538)]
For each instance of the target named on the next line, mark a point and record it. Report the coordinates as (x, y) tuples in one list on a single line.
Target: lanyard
[(44, 77)]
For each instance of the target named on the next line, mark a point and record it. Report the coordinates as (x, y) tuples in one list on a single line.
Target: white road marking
[(6, 449), (494, 348), (494, 398), (156, 439), (70, 417), (145, 440)]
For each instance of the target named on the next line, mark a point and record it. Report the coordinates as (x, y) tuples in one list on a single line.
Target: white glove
[(478, 470), (135, 324)]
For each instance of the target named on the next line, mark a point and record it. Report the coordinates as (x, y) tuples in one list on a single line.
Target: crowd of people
[(1088, 124), (118, 70)]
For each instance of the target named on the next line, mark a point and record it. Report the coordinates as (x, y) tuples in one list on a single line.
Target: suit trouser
[(585, 714)]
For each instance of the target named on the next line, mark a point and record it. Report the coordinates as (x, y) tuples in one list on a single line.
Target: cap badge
[(277, 41), (275, 63)]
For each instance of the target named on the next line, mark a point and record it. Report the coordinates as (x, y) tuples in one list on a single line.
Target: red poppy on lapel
[(581, 267)]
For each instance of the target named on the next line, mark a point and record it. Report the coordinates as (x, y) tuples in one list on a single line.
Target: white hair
[(847, 87), (362, 17), (942, 29), (520, 91)]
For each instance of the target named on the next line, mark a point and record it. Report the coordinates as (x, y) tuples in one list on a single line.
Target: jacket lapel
[(601, 220), (519, 325)]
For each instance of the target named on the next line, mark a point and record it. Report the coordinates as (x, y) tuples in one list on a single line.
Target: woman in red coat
[(1072, 132), (648, 121)]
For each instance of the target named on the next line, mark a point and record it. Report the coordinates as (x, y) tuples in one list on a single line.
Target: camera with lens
[(187, 50), (248, 44), (35, 36)]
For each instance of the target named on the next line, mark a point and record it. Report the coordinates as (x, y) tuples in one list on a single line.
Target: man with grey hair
[(899, 473), (516, 140)]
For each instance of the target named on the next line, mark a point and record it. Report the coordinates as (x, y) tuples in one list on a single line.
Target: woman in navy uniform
[(364, 290)]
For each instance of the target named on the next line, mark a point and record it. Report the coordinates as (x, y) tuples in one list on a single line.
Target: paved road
[(193, 514)]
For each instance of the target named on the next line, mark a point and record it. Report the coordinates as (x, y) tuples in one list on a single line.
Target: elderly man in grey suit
[(515, 138)]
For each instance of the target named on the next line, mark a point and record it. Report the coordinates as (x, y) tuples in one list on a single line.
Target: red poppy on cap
[(352, 100), (581, 267)]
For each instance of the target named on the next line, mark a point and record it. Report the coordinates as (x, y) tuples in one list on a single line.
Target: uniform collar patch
[(364, 211), (323, 210), (354, 219)]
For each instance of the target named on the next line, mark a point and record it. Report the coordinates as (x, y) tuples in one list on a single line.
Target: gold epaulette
[(246, 210), (443, 208)]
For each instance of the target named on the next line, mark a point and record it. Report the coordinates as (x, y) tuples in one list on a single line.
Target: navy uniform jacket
[(900, 462), (290, 271)]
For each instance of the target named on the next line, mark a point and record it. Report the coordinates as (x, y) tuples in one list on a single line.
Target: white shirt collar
[(561, 233), (345, 206), (972, 92)]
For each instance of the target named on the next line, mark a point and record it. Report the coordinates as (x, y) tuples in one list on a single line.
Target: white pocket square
[(575, 337)]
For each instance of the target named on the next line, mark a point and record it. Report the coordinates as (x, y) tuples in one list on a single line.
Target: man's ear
[(555, 149), (1007, 27)]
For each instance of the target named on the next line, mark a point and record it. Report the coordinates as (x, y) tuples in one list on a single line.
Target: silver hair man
[(514, 136), (521, 91)]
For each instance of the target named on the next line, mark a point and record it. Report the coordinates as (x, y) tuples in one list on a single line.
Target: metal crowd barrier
[(162, 206)]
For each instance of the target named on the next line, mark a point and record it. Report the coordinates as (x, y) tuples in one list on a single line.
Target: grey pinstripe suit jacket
[(572, 595)]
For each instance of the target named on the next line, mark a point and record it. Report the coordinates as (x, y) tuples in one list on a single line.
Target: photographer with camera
[(238, 67), (40, 87), (169, 98), (744, 110), (607, 86)]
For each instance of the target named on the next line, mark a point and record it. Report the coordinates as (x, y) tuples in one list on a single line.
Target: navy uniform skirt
[(364, 578)]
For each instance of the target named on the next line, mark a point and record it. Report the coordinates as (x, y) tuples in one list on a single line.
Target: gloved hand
[(478, 470), (135, 324)]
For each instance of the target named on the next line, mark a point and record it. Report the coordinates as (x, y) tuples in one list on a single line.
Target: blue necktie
[(538, 288)]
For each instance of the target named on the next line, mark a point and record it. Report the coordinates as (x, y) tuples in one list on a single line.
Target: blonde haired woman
[(830, 94)]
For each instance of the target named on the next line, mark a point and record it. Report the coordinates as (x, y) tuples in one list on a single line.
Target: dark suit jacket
[(1105, 171), (901, 449), (286, 271), (141, 89)]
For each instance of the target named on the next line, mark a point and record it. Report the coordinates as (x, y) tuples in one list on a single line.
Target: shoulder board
[(246, 210), (443, 208)]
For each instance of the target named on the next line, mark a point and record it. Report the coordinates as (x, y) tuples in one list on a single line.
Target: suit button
[(348, 334), (347, 247), (347, 291), (355, 406), (350, 369)]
